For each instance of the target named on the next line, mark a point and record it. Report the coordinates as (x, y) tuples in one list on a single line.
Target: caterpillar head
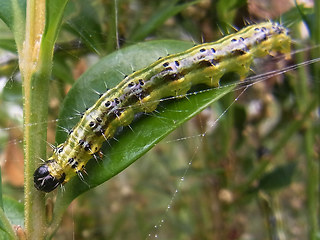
[(44, 181)]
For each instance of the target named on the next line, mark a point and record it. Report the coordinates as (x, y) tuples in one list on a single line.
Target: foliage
[(250, 166)]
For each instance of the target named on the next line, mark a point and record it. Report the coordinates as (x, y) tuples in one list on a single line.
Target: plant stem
[(113, 38), (35, 95), (313, 165), (269, 205)]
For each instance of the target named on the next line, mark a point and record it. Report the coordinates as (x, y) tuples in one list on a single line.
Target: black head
[(44, 181)]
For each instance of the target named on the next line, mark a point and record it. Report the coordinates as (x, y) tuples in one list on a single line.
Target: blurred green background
[(248, 173)]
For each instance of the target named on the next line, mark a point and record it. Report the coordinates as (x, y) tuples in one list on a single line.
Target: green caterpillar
[(141, 91)]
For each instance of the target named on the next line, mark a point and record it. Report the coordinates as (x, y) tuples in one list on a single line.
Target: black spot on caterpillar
[(142, 90)]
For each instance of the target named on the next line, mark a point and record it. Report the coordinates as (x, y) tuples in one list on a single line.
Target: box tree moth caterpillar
[(142, 90)]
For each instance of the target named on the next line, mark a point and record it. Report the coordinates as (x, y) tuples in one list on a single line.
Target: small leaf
[(4, 226), (61, 69), (13, 13), (85, 24), (226, 10), (54, 13), (8, 44), (14, 211), (296, 14), (12, 92), (11, 214), (278, 178), (162, 15)]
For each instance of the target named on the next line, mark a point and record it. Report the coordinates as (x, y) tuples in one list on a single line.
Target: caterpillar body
[(142, 90)]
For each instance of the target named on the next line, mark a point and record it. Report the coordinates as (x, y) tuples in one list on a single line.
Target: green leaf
[(11, 214), (145, 133), (54, 13), (5, 227), (61, 69), (157, 19), (13, 13), (8, 44), (296, 14), (278, 178), (14, 211), (227, 10), (9, 67), (85, 24)]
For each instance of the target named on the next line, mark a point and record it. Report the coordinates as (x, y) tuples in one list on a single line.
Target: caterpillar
[(142, 90)]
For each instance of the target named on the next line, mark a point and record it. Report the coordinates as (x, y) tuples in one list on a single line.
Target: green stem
[(112, 39), (312, 185), (35, 94), (313, 166), (269, 205)]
